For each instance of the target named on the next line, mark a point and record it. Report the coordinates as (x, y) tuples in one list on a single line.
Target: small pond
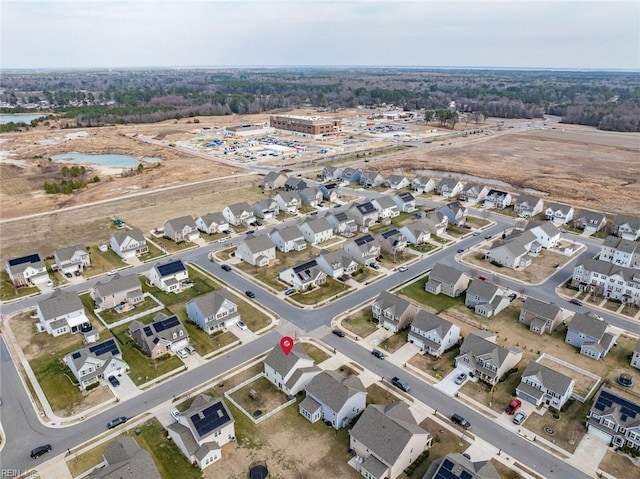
[(18, 118)]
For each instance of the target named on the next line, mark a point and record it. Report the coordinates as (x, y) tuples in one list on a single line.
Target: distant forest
[(606, 100)]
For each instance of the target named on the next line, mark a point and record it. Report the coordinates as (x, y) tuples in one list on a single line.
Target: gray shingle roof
[(258, 244), (551, 379), (209, 304), (609, 269), (476, 345), (134, 234), (564, 209), (426, 322), (238, 208), (385, 202), (460, 467), (587, 325), (318, 225), (116, 284), (65, 254), (334, 390), (289, 233), (445, 274), (540, 308), (178, 223), (126, 459), (483, 289), (281, 363), (59, 304), (387, 301), (632, 221)]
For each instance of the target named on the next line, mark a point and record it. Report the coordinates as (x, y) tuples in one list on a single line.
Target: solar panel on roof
[(389, 233), (606, 400), (366, 207), (171, 268), (212, 418), (363, 239), (76, 355), (466, 475), (305, 266), (166, 323), (147, 331), (32, 258), (447, 464), (103, 348)]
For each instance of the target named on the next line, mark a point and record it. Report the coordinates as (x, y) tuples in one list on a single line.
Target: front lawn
[(58, 383), (9, 292), (110, 316), (201, 285), (437, 302), (154, 253), (424, 247), (395, 342), (103, 261), (87, 460), (171, 246), (329, 289), (361, 323), (315, 353), (379, 395)]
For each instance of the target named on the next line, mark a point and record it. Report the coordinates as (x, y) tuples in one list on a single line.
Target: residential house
[(181, 229), (201, 431), (316, 230), (392, 242), (364, 249), (449, 187), (336, 263), (547, 234), (591, 335), (433, 334), (635, 356), (294, 183), (615, 418), (96, 363), (627, 227), (364, 214), (291, 372), (558, 214), (305, 276), (455, 212), (333, 398), (239, 214), (397, 182), (622, 252), (460, 466), (342, 224), (371, 179), (351, 175), (514, 252), (288, 239), (416, 233), (117, 290), (128, 244), (331, 173), (543, 385), (27, 270), (62, 313), (330, 191), (497, 199), (124, 457), (212, 223), (165, 335), (423, 184), (170, 277), (541, 317), (481, 357), (392, 312), (405, 202), (590, 221), (311, 196), (528, 206), (485, 298), (436, 222), (289, 201), (72, 259), (257, 250), (267, 208), (473, 193), (386, 439), (386, 207), (607, 280), (274, 180), (213, 311), (446, 280)]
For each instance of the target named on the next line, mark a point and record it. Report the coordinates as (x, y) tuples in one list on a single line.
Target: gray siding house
[(213, 311)]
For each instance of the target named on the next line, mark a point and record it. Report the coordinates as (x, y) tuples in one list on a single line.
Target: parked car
[(482, 278), (596, 315), (513, 406), (40, 450), (227, 232), (290, 291), (512, 297), (111, 273), (461, 250), (241, 325), (116, 422), (487, 237), (476, 233), (401, 384), (402, 269), (251, 294), (190, 349), (374, 265), (338, 332), (250, 232), (576, 302), (258, 223), (519, 418), (377, 354), (68, 275), (461, 378), (175, 414), (460, 421), (182, 353), (226, 267), (49, 283), (114, 381)]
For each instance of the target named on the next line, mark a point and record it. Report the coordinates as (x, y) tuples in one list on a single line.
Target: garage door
[(526, 397), (599, 434)]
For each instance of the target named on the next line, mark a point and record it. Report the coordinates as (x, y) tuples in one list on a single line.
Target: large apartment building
[(306, 126)]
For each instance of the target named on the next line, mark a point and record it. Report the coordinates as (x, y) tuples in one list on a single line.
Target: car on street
[(460, 378), (251, 294), (114, 381), (402, 269), (40, 450), (513, 406), (175, 414), (487, 237), (461, 250), (226, 267), (190, 349), (377, 354), (111, 272), (461, 421), (576, 302), (519, 418), (338, 333), (482, 278), (596, 315), (182, 353), (401, 384), (250, 232), (476, 233), (116, 422)]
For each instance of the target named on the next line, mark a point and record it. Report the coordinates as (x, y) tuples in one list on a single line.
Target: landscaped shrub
[(414, 465), (92, 386)]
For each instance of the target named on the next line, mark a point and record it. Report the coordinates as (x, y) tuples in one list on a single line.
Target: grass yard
[(436, 367), (619, 465), (154, 252), (110, 316), (269, 274), (87, 460), (9, 292), (361, 323), (168, 458), (171, 247), (395, 342), (457, 231), (101, 262), (261, 395), (583, 383), (438, 239), (504, 471), (379, 395), (363, 275), (201, 285), (630, 310), (315, 353), (436, 303), (206, 344), (324, 292), (476, 222), (424, 247), (346, 370), (498, 398)]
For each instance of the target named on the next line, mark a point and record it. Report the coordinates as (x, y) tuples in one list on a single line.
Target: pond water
[(118, 161), (19, 118)]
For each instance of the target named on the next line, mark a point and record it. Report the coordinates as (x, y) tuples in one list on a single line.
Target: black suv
[(226, 267), (116, 422), (338, 332), (460, 421), (40, 450), (401, 384)]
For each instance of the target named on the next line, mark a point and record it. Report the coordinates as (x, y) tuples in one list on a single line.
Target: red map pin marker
[(286, 344)]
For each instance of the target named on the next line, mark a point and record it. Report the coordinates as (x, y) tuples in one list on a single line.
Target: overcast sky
[(110, 34)]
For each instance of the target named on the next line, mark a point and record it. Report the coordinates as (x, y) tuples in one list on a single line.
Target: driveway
[(448, 383), (126, 390)]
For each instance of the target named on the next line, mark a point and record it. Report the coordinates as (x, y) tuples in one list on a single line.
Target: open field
[(619, 465)]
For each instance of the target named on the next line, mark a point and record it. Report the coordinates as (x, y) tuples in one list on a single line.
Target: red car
[(513, 406)]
